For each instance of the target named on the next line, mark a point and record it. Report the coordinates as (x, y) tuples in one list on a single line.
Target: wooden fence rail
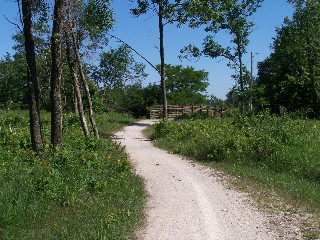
[(156, 111)]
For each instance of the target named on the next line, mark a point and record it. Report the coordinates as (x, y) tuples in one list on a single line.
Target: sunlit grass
[(281, 153), (112, 122), (85, 191)]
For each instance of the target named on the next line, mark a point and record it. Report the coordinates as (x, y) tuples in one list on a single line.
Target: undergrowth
[(84, 191), (279, 152)]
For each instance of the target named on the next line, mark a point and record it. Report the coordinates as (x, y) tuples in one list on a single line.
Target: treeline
[(53, 48), (289, 77), (55, 41), (116, 84)]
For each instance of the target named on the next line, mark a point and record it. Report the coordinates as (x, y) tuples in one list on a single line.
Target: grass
[(277, 153), (85, 191), (111, 122)]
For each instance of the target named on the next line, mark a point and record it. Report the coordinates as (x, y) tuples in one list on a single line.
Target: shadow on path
[(141, 124)]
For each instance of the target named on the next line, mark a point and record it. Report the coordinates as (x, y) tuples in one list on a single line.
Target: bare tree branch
[(135, 51), (13, 23)]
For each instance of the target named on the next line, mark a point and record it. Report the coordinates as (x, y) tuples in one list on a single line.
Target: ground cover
[(84, 191), (278, 153)]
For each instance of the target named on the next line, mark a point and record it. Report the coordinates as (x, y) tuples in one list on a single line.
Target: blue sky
[(142, 34)]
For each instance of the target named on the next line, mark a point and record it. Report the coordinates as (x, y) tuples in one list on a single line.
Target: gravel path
[(186, 200)]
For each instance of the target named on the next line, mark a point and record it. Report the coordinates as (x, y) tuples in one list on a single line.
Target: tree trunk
[(251, 83), (75, 101), (162, 70), (55, 84), (32, 81), (86, 87), (78, 98), (241, 80)]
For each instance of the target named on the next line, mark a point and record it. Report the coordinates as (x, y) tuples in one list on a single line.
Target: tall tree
[(42, 43), (289, 77), (32, 81), (162, 62), (86, 86), (231, 16), (77, 91), (73, 68), (55, 84), (165, 10), (307, 16), (88, 23)]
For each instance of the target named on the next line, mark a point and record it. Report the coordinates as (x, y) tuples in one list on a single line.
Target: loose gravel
[(186, 200)]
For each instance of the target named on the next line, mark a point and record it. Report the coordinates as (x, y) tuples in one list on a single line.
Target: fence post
[(150, 112)]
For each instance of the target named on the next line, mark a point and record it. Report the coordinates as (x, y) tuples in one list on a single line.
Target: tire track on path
[(186, 201)]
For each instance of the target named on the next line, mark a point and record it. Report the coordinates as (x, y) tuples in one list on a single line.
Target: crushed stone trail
[(187, 200)]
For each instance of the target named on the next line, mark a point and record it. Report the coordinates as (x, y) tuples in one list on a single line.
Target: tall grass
[(279, 152), (84, 191)]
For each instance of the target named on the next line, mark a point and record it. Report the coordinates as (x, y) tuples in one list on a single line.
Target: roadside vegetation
[(279, 152), (85, 190), (61, 178)]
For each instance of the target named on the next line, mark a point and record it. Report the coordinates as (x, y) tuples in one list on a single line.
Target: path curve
[(185, 200)]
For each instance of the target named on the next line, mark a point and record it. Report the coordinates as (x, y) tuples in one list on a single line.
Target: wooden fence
[(156, 111)]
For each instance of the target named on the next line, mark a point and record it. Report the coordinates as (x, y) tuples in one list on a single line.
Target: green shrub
[(84, 191)]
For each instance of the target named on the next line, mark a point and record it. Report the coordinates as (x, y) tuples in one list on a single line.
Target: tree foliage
[(96, 19), (170, 8), (87, 24), (119, 78), (289, 77), (231, 16), (13, 92), (118, 67), (32, 78), (165, 11), (186, 85)]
